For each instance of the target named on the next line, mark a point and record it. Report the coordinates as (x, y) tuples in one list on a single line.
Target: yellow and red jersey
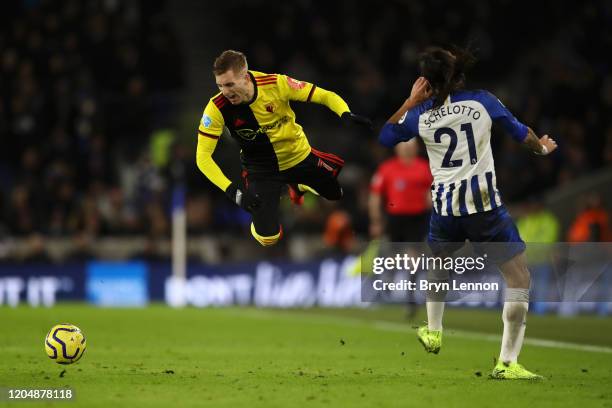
[(265, 128)]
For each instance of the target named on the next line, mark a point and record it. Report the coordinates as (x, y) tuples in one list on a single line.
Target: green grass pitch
[(246, 357)]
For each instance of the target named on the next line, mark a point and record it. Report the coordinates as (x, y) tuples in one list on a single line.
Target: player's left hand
[(548, 145), (351, 118)]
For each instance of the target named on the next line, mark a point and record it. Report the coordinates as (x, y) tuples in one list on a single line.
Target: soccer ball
[(65, 343)]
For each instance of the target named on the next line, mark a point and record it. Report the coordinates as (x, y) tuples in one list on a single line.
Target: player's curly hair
[(445, 70), (229, 60)]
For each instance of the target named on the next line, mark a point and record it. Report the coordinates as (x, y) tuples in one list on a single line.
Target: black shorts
[(407, 228), (318, 171)]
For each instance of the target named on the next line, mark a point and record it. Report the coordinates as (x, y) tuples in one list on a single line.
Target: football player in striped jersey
[(455, 125), (255, 108)]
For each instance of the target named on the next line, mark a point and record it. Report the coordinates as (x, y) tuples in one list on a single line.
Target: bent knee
[(266, 240)]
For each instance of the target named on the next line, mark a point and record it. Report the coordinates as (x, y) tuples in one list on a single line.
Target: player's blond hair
[(229, 60)]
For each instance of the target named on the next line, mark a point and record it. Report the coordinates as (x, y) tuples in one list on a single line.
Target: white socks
[(435, 311), (435, 299), (514, 317)]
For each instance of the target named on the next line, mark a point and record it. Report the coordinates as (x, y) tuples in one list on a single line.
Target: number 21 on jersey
[(448, 161)]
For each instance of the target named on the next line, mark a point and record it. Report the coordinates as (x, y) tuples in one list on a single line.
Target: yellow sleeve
[(212, 121), (209, 131), (301, 91)]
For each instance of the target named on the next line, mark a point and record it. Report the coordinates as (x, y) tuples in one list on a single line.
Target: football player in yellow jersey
[(274, 149)]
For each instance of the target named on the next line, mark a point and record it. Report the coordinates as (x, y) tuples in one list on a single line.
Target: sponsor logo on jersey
[(250, 134)]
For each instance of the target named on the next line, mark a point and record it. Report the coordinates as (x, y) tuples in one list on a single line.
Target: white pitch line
[(391, 326)]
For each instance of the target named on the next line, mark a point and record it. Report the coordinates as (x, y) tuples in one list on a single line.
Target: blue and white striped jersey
[(457, 136)]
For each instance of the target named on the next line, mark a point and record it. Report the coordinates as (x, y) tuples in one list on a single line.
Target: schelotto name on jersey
[(443, 111)]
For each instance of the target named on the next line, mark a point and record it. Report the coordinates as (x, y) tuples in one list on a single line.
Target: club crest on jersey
[(295, 84), (239, 122), (270, 107)]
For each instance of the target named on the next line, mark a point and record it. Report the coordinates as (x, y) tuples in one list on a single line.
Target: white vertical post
[(179, 241)]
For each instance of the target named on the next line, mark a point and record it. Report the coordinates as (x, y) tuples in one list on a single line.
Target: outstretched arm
[(295, 90), (540, 146), (330, 99), (335, 103), (519, 132)]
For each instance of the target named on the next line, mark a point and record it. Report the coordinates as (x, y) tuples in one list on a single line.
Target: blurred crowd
[(88, 102), (83, 86), (554, 76)]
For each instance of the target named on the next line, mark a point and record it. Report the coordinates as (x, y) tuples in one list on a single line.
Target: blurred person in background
[(151, 251), (274, 149), (538, 223), (82, 248), (400, 201), (338, 234), (541, 229), (592, 224), (71, 75), (70, 72), (35, 250)]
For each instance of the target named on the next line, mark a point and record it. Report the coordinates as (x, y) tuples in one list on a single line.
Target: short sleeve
[(410, 123), (403, 131)]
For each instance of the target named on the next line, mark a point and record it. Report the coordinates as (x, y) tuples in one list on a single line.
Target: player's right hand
[(421, 90), (243, 197), (549, 145)]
